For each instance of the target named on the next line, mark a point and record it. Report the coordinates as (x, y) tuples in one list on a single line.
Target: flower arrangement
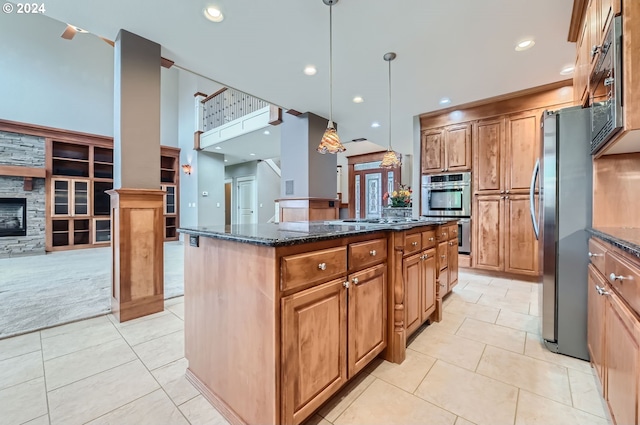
[(400, 197)]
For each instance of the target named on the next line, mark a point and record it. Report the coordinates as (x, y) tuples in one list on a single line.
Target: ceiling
[(249, 146), (461, 49)]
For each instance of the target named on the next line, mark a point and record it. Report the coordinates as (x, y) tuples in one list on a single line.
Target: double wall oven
[(449, 196)]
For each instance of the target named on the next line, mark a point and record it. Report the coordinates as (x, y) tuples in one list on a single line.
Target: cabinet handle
[(354, 280), (443, 234), (505, 197), (414, 243), (507, 191), (594, 50), (431, 239), (442, 170), (591, 255), (322, 266), (372, 253), (346, 284), (613, 277), (425, 257), (601, 291), (443, 256), (450, 243), (502, 191), (443, 285)]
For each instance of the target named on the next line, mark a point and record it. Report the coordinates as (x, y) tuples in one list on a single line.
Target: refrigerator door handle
[(532, 198)]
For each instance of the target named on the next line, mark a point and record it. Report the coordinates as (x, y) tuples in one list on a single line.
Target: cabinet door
[(443, 254), (452, 263), (520, 244), (367, 316), (581, 72), (457, 147), (61, 204), (169, 199), (432, 151), (314, 348), (411, 274), (488, 237), (487, 147), (621, 357), (428, 289), (81, 195), (523, 141), (596, 320)]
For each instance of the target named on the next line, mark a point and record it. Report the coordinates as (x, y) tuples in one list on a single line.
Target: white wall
[(49, 81), (169, 103), (268, 191)]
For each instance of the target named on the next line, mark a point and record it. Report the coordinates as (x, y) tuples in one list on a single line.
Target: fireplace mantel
[(29, 173)]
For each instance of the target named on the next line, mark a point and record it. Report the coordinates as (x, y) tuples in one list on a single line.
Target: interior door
[(246, 200), (370, 186)]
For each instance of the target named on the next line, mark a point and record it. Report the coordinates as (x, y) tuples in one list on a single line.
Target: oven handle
[(532, 191)]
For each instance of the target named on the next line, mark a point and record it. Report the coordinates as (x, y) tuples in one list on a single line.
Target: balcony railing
[(227, 105)]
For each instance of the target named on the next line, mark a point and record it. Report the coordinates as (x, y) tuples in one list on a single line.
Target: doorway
[(247, 200), (368, 183), (227, 201)]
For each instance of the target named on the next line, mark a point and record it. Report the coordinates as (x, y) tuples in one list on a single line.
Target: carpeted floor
[(41, 291)]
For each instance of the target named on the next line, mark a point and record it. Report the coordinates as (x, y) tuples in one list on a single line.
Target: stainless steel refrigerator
[(564, 171)]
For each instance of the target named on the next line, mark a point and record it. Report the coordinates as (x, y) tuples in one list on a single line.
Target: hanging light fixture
[(391, 159), (330, 142)]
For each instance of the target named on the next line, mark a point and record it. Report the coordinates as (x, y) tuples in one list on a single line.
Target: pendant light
[(391, 159), (330, 142)]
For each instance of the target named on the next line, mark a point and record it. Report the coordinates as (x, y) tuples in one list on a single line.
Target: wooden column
[(138, 254)]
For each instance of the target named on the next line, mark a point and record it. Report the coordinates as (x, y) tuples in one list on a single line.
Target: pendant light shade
[(391, 158), (330, 142)]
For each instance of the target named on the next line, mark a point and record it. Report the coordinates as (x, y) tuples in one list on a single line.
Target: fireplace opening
[(13, 217)]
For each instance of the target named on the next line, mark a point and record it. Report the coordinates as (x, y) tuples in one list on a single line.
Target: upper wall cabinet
[(446, 149)]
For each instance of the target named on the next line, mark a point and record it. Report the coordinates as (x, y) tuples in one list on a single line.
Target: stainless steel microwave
[(605, 86), (446, 195)]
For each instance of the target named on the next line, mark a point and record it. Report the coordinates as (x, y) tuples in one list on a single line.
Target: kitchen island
[(278, 317)]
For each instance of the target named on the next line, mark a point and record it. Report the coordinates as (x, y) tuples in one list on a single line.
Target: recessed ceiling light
[(375, 124), (226, 160), (525, 45), (358, 99), (567, 70), (252, 154), (445, 101), (213, 14), (218, 147), (267, 132), (310, 70)]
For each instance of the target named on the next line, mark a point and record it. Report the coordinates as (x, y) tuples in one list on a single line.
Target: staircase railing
[(227, 105)]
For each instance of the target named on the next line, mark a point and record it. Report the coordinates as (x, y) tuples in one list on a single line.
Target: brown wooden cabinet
[(428, 289), (488, 235), (314, 348), (412, 274), (596, 314), (488, 147), (446, 149), (522, 143)]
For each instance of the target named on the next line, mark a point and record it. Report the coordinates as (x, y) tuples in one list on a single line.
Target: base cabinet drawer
[(310, 267), (364, 254), (624, 277)]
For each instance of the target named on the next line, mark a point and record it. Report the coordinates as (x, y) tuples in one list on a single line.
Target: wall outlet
[(205, 193), (218, 204), (260, 205)]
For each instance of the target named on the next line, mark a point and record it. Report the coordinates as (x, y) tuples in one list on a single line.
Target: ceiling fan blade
[(69, 32)]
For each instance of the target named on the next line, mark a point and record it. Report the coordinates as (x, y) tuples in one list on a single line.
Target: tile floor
[(483, 364)]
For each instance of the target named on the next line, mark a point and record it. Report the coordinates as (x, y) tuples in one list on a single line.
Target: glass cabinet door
[(80, 197), (61, 198), (170, 203)]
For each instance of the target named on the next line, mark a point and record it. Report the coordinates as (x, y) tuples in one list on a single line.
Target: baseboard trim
[(222, 407)]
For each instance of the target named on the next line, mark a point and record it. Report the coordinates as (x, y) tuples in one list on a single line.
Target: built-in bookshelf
[(78, 208)]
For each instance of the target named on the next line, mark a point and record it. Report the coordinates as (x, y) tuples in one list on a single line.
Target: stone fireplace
[(13, 217), (22, 206)]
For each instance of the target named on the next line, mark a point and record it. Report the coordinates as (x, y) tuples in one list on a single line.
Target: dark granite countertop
[(625, 238), (293, 233)]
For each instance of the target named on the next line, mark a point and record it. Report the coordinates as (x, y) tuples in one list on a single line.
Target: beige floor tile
[(534, 308), (173, 301), (17, 370), (513, 285), (483, 289), (450, 322), (19, 345), (42, 420), (373, 407), (23, 402), (155, 408), (522, 322), (542, 378), (519, 296), (199, 411), (585, 394), (96, 395), (503, 303), (464, 295), (150, 329), (316, 420), (177, 309), (81, 364), (161, 351), (171, 378), (454, 349), (73, 327), (345, 397), (128, 323), (475, 397), (406, 376), (536, 410), (65, 343), (496, 335), (463, 421), (480, 312), (535, 348)]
